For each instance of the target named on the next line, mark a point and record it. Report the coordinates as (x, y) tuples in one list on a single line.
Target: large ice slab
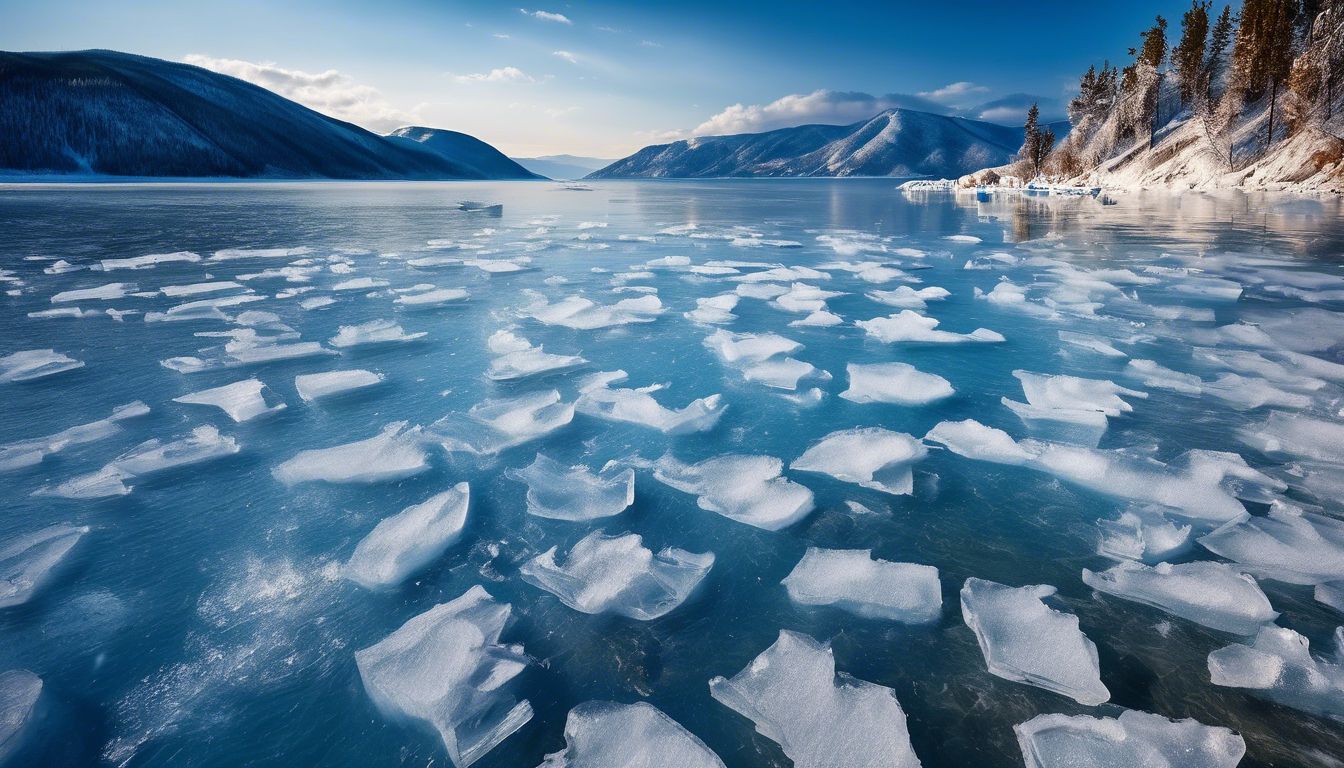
[(585, 314), (853, 580), (1073, 408), (517, 358), (405, 543), (910, 326), (315, 386), (447, 668), (898, 383), (974, 440), (872, 457), (149, 261), (241, 401), (748, 489), (600, 400), (1289, 544), (821, 720), (19, 691), (1212, 594), (32, 364), (600, 734), (492, 426), (395, 453), (432, 298), (618, 574), (150, 457), (1025, 640), (1278, 665), (372, 332), (101, 293), (574, 493), (27, 561), (1133, 740), (26, 453)]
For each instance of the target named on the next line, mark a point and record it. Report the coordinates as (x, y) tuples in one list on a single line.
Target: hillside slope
[(464, 149), (104, 112), (897, 142)]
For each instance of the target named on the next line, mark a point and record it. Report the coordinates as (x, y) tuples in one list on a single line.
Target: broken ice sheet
[(601, 734), (559, 492), (241, 401), (395, 453), (315, 386), (26, 453), (19, 691), (1278, 665), (856, 582), (150, 457), (873, 457), (748, 489), (32, 364), (409, 541), (492, 426), (516, 358), (618, 574)]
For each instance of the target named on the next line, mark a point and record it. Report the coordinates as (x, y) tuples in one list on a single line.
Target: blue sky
[(605, 78)]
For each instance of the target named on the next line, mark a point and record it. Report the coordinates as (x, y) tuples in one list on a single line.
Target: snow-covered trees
[(1037, 142), (1188, 56)]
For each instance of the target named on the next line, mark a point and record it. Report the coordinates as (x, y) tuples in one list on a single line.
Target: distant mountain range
[(562, 166), (897, 142), (104, 112)]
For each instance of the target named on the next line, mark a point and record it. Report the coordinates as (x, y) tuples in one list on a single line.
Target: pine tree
[(1188, 56), (1037, 142), (1082, 106), (1219, 37)]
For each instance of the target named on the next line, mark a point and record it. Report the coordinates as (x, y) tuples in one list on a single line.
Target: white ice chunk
[(201, 309), (518, 359), (905, 297), (492, 426), (897, 383), (314, 386), (600, 734), (878, 589), (1059, 392), (746, 348), (574, 493), (317, 302), (432, 298), (748, 489), (152, 456), (372, 332), (405, 543), (19, 691), (1278, 665), (359, 284), (446, 668), (819, 319), (1025, 640), (637, 406), (1161, 377), (618, 574), (26, 453), (911, 326), (1207, 593), (782, 373), (1299, 437), (242, 400), (103, 292), (873, 457), (196, 289), (1135, 740), (1288, 545), (32, 364), (394, 454), (821, 720), (1143, 534), (149, 261), (714, 310), (974, 440), (802, 297), (230, 254), (585, 314), (27, 561), (1245, 393)]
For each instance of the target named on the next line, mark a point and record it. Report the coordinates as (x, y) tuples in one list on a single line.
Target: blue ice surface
[(203, 620)]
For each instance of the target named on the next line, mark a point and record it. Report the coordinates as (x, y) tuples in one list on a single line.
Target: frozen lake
[(211, 613)]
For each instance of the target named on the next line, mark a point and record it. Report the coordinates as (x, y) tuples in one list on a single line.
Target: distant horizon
[(602, 79)]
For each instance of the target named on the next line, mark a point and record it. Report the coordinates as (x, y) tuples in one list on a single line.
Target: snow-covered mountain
[(897, 142), (562, 166), (104, 112), (464, 149)]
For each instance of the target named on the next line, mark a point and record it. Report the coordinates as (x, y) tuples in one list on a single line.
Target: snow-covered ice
[(35, 364), (1278, 665), (26, 453), (315, 386), (898, 383), (372, 332), (492, 426), (910, 326)]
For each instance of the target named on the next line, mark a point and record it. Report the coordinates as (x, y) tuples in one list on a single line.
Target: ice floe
[(748, 489), (432, 298), (1160, 377), (905, 297), (518, 359), (601, 734), (618, 574), (27, 561), (584, 314), (19, 691), (407, 542), (492, 426), (150, 457), (315, 386), (873, 457), (559, 492), (794, 696), (1212, 594), (1289, 545), (897, 383), (714, 310), (910, 326), (1025, 640), (851, 579), (446, 668), (26, 453), (1142, 533), (1079, 406), (1135, 739), (241, 401), (32, 364), (372, 332), (101, 293), (395, 453), (1278, 665), (974, 440)]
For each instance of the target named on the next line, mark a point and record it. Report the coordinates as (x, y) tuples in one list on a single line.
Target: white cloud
[(820, 106), (331, 93), (501, 37), (503, 75), (566, 55), (953, 93), (650, 44), (544, 16)]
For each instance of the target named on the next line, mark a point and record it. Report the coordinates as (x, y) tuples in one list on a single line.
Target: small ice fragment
[(618, 574), (746, 348), (873, 457), (748, 489), (314, 386), (878, 589), (317, 302), (1135, 739), (432, 298), (974, 440), (802, 297), (905, 297), (394, 454), (897, 383), (447, 668), (229, 254), (196, 289), (1143, 534), (963, 238), (601, 734), (492, 426), (574, 493), (27, 561), (372, 332), (32, 364), (1278, 665), (1207, 593), (910, 326), (714, 310), (405, 543), (242, 400), (1025, 640), (19, 691), (820, 719), (818, 319)]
